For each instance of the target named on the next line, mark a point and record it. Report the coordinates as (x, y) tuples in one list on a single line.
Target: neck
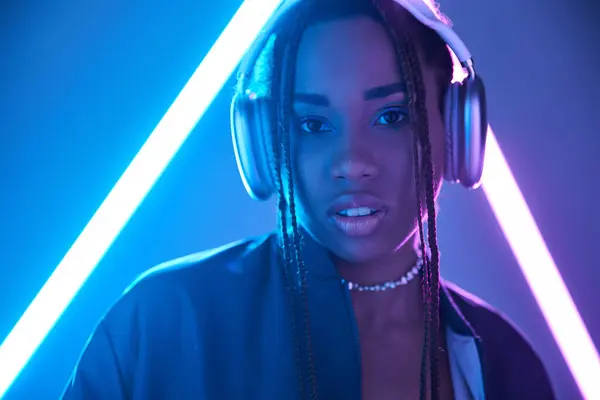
[(382, 269), (402, 305)]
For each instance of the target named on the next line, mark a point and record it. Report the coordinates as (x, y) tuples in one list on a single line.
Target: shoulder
[(506, 350), (176, 299), (491, 325), (195, 281), (481, 315), (488, 323), (243, 257)]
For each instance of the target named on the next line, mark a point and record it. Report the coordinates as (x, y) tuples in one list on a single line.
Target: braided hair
[(282, 57)]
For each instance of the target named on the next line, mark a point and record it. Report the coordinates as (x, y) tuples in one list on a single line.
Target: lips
[(356, 201), (357, 215)]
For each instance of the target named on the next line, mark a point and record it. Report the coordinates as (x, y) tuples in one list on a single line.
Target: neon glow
[(170, 134), (131, 189), (540, 271)]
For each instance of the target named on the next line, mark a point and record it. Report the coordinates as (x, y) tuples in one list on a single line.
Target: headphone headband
[(279, 18), (428, 15)]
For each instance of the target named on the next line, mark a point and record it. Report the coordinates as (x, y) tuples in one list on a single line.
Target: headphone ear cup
[(453, 126), (466, 122), (474, 126), (250, 132)]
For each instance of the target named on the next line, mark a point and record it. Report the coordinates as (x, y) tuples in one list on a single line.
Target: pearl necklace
[(407, 277)]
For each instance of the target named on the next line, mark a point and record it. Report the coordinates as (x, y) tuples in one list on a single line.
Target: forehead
[(343, 58)]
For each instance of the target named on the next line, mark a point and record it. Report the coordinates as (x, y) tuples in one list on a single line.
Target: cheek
[(308, 166), (401, 160), (396, 161)]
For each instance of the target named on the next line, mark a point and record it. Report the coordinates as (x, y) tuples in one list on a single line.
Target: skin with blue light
[(353, 136)]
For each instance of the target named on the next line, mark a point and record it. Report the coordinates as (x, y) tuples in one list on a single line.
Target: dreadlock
[(283, 60)]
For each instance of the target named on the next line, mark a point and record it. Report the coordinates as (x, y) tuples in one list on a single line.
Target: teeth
[(357, 212)]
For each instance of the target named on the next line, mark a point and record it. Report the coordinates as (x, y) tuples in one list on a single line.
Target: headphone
[(465, 113)]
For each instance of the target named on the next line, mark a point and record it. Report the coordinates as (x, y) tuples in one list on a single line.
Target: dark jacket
[(216, 325)]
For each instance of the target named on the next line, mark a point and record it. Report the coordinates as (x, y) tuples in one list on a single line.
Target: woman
[(345, 302)]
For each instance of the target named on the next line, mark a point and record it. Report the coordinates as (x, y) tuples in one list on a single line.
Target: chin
[(359, 250)]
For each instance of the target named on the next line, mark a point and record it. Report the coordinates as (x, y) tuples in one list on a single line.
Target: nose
[(354, 164)]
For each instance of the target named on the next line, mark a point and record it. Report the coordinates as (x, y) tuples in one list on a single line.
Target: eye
[(314, 125), (392, 116)]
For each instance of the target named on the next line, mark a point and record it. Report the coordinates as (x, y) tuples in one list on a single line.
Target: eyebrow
[(379, 92)]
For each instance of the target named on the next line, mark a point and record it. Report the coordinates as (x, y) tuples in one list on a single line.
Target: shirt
[(217, 325)]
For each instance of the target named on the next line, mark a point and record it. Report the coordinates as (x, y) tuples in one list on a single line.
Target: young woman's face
[(353, 143)]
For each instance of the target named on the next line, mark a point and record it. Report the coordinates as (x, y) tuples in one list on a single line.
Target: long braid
[(436, 53), (287, 85), (422, 129), (430, 276), (426, 272), (425, 278), (288, 266)]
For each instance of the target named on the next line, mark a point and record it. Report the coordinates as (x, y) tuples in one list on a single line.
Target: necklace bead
[(406, 278)]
